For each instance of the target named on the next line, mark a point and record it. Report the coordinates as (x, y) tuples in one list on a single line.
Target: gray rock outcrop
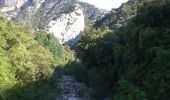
[(63, 18)]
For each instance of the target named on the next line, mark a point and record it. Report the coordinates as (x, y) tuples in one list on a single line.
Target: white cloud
[(106, 4)]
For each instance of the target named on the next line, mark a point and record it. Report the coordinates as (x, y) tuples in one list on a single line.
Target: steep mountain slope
[(68, 26), (120, 16), (44, 14)]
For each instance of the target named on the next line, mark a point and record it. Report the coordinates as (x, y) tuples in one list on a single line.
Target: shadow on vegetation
[(45, 89), (76, 69)]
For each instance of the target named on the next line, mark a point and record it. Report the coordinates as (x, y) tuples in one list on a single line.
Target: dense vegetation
[(27, 62), (132, 63), (118, 17)]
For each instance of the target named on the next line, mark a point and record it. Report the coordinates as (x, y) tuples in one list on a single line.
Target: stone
[(63, 18)]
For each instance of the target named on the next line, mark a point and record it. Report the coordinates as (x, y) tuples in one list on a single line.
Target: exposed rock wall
[(68, 26), (10, 5), (63, 18)]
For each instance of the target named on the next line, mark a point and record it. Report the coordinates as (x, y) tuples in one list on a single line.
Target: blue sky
[(106, 4)]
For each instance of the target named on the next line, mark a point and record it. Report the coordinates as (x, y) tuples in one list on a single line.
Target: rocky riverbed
[(72, 90)]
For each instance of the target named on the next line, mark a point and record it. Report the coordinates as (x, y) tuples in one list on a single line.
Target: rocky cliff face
[(63, 18), (9, 7), (12, 8), (12, 3), (67, 27)]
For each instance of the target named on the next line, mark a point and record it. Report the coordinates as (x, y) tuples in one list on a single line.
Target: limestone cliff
[(68, 27), (63, 18)]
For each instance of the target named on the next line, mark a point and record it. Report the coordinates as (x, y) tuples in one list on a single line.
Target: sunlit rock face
[(10, 8), (68, 26), (12, 3), (63, 18), (13, 8), (17, 4)]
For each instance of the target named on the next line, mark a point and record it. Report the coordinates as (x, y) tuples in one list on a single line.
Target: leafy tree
[(27, 62), (131, 63)]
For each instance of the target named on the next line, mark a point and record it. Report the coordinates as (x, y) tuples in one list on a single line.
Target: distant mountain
[(63, 18)]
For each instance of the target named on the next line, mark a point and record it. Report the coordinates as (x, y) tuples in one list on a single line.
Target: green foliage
[(6, 80), (126, 91), (26, 64), (131, 63), (51, 43), (89, 39), (154, 14), (77, 69), (120, 16)]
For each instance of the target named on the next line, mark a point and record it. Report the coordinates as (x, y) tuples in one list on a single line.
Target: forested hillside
[(124, 56), (132, 63), (27, 62), (120, 16)]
